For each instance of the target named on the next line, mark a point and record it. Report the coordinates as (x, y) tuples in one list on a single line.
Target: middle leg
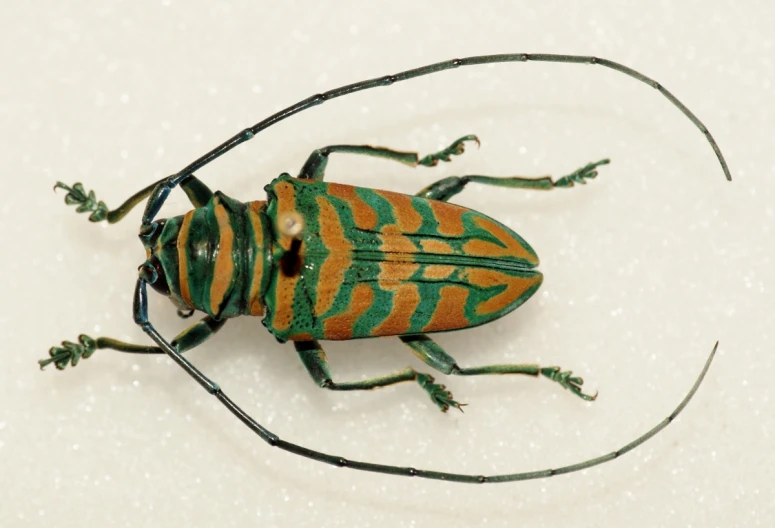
[(431, 353)]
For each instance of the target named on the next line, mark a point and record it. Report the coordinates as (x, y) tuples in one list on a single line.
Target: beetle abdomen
[(377, 263)]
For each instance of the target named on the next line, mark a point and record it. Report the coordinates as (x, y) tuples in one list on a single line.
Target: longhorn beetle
[(328, 261)]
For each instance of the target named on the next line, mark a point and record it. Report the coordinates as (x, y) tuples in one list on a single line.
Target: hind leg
[(448, 187)]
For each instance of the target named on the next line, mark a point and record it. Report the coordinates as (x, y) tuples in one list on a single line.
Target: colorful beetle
[(325, 261)]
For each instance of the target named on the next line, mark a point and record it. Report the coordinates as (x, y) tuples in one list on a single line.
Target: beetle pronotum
[(330, 261)]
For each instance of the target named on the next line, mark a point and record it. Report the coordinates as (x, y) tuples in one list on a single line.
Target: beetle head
[(151, 271)]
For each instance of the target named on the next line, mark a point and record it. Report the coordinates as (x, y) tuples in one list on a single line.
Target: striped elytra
[(378, 263)]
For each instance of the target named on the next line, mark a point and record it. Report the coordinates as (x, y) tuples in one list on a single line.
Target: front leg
[(314, 359)]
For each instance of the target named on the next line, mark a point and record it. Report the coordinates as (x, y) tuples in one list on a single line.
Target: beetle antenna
[(87, 202), (70, 352)]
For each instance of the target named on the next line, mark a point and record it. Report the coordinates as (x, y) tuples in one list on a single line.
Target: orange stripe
[(284, 293), (331, 231), (449, 216), (395, 273), (336, 264), (258, 263), (436, 271), (340, 326), (286, 202), (488, 249), (393, 241), (185, 292), (515, 287), (303, 336), (407, 218), (406, 299), (223, 269), (430, 245), (450, 310), (330, 281), (285, 288), (365, 217)]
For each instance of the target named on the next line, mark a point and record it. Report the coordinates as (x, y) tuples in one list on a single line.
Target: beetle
[(327, 261)]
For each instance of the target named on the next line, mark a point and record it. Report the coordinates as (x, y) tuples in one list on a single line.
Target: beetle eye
[(152, 273)]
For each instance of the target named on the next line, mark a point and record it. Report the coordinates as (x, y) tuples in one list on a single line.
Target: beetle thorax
[(211, 259)]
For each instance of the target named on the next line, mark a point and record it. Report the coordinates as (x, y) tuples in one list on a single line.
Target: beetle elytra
[(326, 261)]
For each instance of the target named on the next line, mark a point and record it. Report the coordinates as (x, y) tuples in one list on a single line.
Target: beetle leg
[(448, 187), (314, 359), (197, 192), (431, 353), (70, 352), (315, 166)]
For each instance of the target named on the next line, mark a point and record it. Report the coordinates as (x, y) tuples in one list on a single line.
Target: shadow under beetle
[(328, 261)]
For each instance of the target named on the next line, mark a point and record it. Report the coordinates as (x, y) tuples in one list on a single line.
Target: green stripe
[(168, 256), (305, 293), (236, 299), (343, 296), (199, 250), (382, 306), (429, 299), (382, 207), (429, 224)]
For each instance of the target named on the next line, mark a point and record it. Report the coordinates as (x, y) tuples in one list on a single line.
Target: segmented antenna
[(87, 203), (70, 352)]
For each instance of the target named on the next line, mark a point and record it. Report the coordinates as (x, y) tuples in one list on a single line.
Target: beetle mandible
[(325, 261)]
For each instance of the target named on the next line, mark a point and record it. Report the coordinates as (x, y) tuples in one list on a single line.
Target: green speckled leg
[(71, 353), (448, 187), (431, 353), (315, 166), (314, 359), (197, 192)]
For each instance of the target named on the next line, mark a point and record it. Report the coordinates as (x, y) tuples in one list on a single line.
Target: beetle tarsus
[(567, 380), (579, 176), (438, 393), (455, 149)]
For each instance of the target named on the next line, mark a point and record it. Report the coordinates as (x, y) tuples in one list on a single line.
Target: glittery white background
[(645, 267)]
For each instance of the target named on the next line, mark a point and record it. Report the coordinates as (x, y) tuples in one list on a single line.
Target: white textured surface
[(645, 268)]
